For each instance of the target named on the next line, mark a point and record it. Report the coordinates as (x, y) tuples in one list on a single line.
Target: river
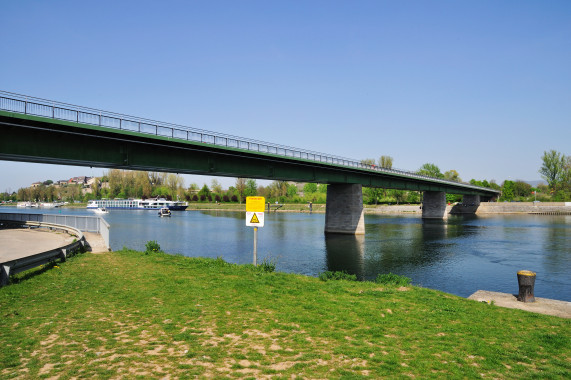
[(460, 255)]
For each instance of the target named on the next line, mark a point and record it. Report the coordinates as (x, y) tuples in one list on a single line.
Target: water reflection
[(346, 253)]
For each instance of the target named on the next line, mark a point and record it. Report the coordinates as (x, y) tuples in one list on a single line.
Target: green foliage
[(337, 276), (310, 188), (386, 162), (291, 190), (392, 279), (251, 189), (452, 175), (430, 170), (267, 265), (553, 169), (507, 191), (368, 161), (521, 189), (152, 247)]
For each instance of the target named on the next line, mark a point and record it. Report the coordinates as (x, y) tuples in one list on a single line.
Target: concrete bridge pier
[(469, 205), (344, 213), (434, 205)]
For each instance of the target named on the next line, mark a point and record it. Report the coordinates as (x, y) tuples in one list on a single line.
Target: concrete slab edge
[(541, 305)]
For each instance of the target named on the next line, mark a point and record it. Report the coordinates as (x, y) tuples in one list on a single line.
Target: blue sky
[(482, 87)]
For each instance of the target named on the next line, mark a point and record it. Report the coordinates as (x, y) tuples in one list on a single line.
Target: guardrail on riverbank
[(24, 263), (82, 223)]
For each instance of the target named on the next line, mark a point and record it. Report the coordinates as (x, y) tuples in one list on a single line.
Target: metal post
[(255, 245)]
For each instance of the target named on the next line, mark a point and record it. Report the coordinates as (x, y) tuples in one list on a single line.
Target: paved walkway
[(95, 242), (22, 242), (541, 305)]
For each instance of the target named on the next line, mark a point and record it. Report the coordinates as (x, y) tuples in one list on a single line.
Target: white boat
[(24, 204), (101, 210), (137, 204), (164, 212)]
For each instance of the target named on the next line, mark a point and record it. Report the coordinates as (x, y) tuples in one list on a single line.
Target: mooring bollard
[(526, 282)]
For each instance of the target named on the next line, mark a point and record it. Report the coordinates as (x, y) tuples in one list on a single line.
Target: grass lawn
[(127, 314)]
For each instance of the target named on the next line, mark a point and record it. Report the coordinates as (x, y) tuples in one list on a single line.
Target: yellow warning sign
[(255, 204), (254, 219)]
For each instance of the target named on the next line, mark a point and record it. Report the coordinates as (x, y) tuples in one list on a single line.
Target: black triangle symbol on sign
[(254, 219)]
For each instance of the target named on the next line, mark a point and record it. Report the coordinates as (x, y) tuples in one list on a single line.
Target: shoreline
[(546, 208)]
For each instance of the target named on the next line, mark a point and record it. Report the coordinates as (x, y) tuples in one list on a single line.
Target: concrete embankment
[(524, 208), (484, 208)]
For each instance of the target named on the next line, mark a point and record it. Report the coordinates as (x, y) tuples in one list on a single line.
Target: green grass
[(127, 314)]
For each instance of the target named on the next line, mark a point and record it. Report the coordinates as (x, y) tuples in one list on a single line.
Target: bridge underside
[(41, 140)]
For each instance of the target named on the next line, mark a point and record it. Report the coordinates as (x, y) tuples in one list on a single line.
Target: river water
[(460, 255)]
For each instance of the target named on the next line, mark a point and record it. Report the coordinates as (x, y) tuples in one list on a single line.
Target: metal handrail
[(29, 105), (24, 263)]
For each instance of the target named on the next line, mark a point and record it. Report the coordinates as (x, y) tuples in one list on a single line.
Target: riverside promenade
[(22, 242)]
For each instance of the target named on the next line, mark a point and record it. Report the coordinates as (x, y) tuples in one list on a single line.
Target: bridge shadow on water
[(398, 245)]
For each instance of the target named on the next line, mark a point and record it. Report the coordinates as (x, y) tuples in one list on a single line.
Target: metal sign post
[(255, 207), (255, 246)]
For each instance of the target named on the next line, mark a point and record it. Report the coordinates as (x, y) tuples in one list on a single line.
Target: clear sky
[(482, 87)]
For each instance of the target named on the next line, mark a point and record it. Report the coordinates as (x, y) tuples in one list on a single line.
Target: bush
[(267, 266), (152, 247), (225, 198), (336, 276), (392, 279), (195, 198)]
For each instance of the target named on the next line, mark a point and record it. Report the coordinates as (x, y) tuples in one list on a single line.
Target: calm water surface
[(459, 256)]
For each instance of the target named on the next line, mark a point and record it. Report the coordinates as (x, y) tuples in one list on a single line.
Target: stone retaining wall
[(485, 208)]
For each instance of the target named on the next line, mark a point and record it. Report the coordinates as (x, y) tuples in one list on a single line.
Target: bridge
[(44, 131)]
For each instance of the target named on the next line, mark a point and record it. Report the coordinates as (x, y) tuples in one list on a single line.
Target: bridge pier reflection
[(346, 253)]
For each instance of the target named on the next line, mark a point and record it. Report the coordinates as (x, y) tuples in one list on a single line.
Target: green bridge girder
[(36, 139)]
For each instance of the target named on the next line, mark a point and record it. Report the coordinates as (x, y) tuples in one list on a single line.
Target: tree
[(309, 188), (204, 192), (521, 189), (386, 162), (251, 188), (553, 169), (175, 184), (240, 188), (291, 190), (430, 170), (371, 195), (368, 161), (216, 186), (452, 175), (507, 190)]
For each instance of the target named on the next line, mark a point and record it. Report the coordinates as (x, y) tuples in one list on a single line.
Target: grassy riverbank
[(130, 314)]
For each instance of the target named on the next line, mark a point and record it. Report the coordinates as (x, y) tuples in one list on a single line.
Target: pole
[(255, 245)]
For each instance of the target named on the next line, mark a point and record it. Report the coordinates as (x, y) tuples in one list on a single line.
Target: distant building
[(36, 184), (83, 180)]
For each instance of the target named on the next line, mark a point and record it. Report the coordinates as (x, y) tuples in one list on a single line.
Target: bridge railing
[(62, 111)]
